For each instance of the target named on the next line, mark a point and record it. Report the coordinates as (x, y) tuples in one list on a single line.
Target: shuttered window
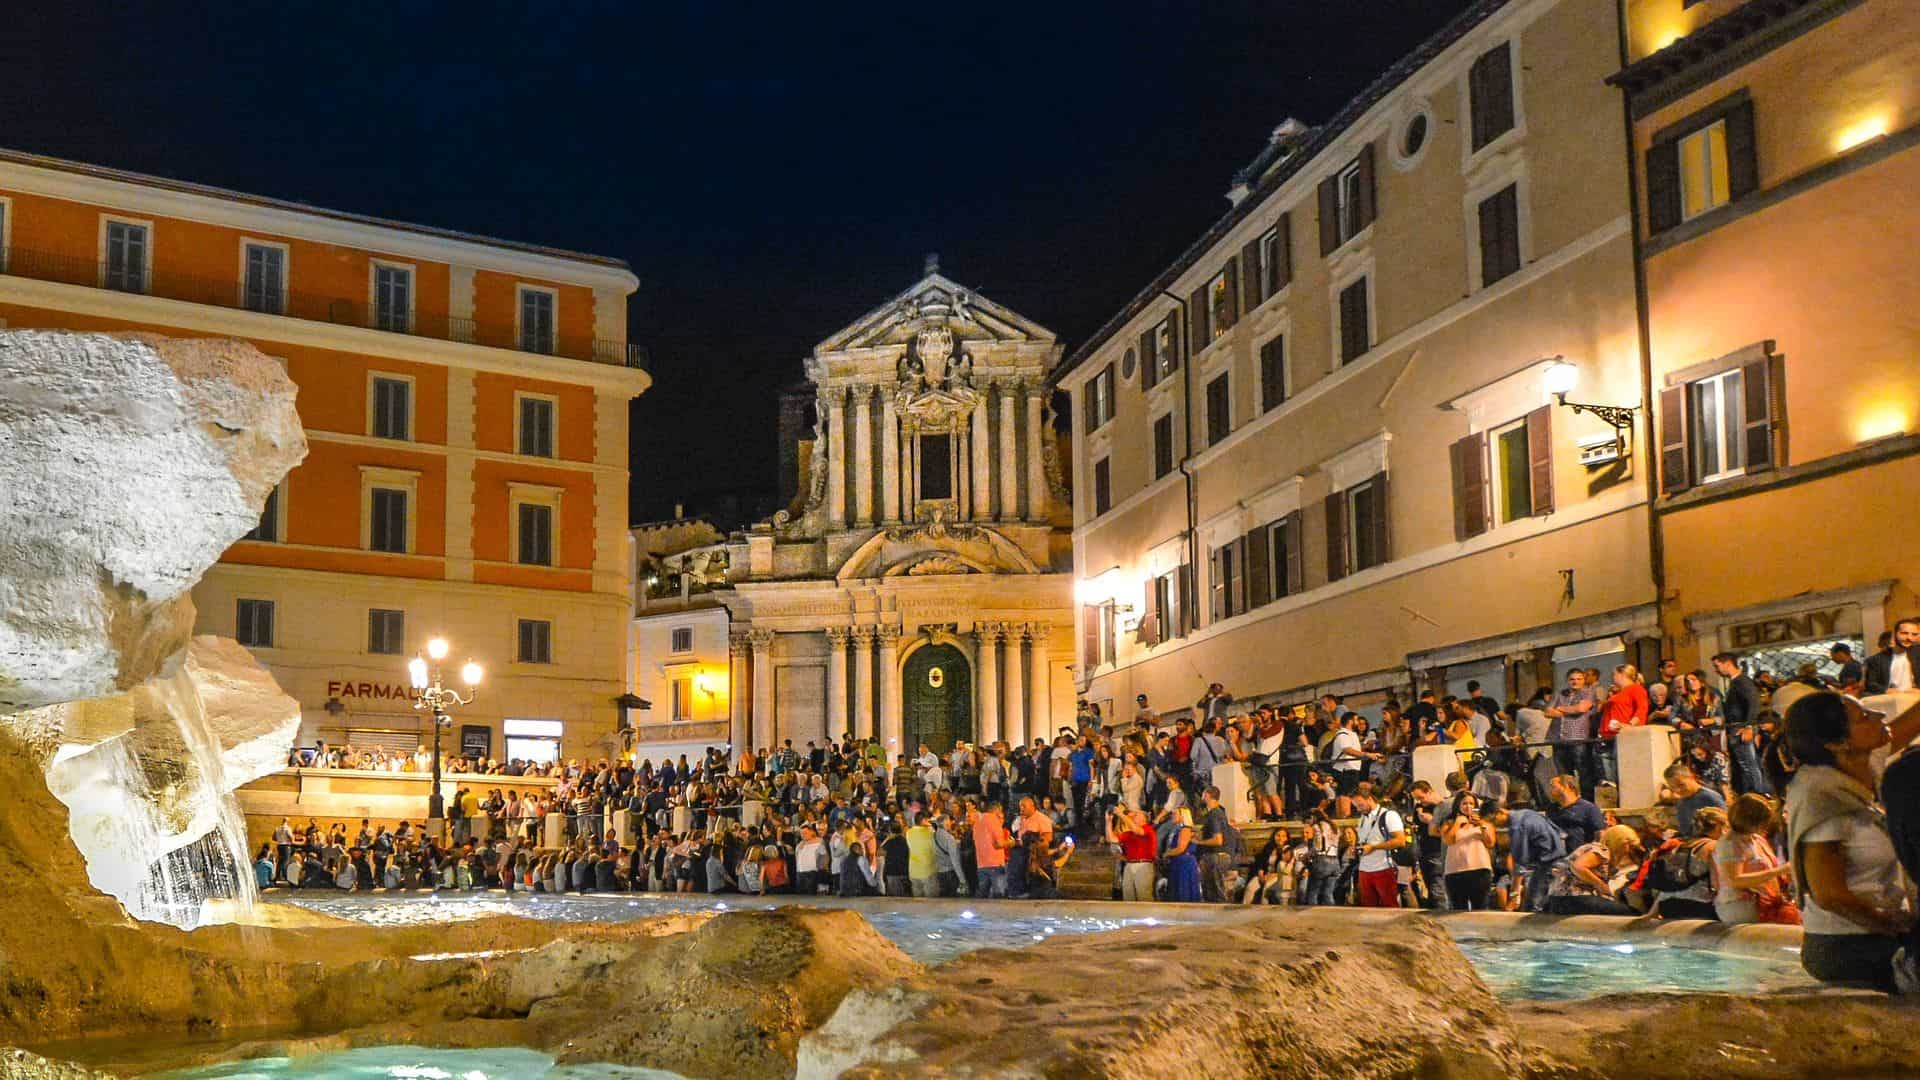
[(1227, 579), (387, 528), (1702, 163), (1090, 636), (535, 644), (1490, 95), (1276, 257), (1159, 351), (1347, 201), (1284, 551), (1357, 534), (1219, 408), (1102, 487), (253, 623), (1170, 597), (1273, 373), (1163, 445), (1223, 301), (1356, 333), (392, 408), (1259, 559), (1100, 398), (1503, 475), (1730, 423), (1500, 234)]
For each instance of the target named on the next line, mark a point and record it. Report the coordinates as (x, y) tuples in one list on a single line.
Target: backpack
[(1679, 870)]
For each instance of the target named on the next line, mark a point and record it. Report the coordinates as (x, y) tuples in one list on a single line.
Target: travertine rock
[(127, 466), (1304, 996)]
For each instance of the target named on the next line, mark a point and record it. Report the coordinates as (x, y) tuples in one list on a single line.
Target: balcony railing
[(343, 311)]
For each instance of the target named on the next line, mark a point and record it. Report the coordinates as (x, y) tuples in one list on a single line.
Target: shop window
[(533, 741), (253, 623)]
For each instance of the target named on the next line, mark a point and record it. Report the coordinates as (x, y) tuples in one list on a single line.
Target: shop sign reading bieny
[(1837, 622)]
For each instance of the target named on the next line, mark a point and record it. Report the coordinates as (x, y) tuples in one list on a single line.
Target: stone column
[(987, 687), (739, 653), (1039, 679), (863, 469), (1013, 698), (1036, 465), (910, 482), (962, 471), (863, 682), (889, 460), (890, 698), (982, 448), (1009, 475), (836, 681), (762, 723), (830, 401)]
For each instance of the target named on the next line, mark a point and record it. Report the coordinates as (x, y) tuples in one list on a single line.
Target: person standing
[(1469, 867), (1129, 828), (1183, 871), (1626, 707), (1345, 755), (1219, 849), (922, 875), (990, 846), (1898, 665), (1572, 712), (1381, 831), (1740, 716)]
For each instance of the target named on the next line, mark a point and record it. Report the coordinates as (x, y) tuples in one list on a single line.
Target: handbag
[(1774, 907)]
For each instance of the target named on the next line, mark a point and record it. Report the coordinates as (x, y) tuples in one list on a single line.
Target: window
[(537, 320), (1347, 202), (387, 524), (1160, 351), (268, 528), (1500, 234), (1100, 398), (1102, 487), (1170, 600), (253, 623), (1718, 415), (1162, 445), (936, 466), (1276, 258), (127, 257), (535, 741), (1283, 556), (1703, 170), (1356, 335), (536, 642), (393, 298), (392, 408), (680, 697), (1221, 304), (535, 534), (1108, 654), (264, 286), (1357, 527), (386, 632), (682, 639), (1097, 637), (1219, 408), (1702, 163), (1227, 578), (1273, 373), (536, 426), (1490, 95), (1504, 474), (1413, 137)]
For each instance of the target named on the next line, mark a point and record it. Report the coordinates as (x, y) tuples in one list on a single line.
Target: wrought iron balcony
[(345, 311)]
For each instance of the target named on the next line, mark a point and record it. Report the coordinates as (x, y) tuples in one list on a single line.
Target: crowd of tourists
[(1772, 813), (418, 760)]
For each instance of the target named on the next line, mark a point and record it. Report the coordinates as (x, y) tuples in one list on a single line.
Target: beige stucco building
[(1775, 143), (1319, 452), (918, 591)]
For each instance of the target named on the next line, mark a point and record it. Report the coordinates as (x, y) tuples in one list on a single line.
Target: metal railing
[(311, 307)]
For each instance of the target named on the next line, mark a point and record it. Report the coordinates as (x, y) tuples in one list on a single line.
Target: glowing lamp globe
[(470, 673), (1561, 377), (417, 672), (437, 648)]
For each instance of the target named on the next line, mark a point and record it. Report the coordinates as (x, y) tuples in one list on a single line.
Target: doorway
[(937, 699)]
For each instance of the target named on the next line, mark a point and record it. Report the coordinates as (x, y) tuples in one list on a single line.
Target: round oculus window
[(1414, 136), (1127, 364)]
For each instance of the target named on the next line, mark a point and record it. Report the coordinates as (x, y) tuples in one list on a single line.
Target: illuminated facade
[(465, 400), (1319, 454), (1774, 147)]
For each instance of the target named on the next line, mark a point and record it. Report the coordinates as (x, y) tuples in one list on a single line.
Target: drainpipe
[(1643, 318), (1186, 461)]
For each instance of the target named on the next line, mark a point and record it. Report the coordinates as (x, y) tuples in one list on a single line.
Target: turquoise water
[(416, 1063), (1572, 970)]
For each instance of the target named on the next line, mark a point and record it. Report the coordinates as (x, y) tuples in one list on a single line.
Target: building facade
[(1321, 452), (677, 652), (465, 404), (919, 590), (1775, 147)]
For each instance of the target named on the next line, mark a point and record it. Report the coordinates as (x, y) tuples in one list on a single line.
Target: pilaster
[(863, 682), (987, 692), (890, 690)]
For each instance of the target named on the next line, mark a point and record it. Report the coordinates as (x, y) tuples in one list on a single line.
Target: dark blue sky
[(771, 172)]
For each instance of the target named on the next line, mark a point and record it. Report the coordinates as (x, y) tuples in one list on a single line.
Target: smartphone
[(1068, 841)]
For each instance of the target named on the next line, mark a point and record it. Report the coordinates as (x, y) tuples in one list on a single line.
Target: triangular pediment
[(935, 301)]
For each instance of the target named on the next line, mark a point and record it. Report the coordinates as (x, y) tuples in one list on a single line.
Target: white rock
[(127, 465)]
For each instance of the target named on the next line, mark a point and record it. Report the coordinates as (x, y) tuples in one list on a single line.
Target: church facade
[(919, 589)]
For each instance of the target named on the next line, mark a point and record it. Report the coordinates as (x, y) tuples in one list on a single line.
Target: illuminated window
[(680, 700), (535, 741), (1512, 472), (1703, 170), (1219, 306), (1718, 418)]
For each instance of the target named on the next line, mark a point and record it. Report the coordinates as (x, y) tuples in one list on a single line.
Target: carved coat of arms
[(934, 347)]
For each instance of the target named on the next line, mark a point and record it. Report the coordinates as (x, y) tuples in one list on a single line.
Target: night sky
[(770, 172)]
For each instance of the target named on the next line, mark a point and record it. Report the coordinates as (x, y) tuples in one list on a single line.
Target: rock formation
[(129, 465)]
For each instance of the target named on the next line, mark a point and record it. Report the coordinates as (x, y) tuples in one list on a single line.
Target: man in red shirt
[(990, 844), (1138, 846)]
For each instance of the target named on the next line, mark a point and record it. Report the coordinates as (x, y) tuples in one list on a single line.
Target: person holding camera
[(1129, 828), (1469, 866)]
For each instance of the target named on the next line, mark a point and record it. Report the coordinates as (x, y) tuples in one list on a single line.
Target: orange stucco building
[(1774, 147), (465, 401)]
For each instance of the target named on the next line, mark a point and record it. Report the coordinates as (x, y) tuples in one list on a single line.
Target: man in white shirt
[(1345, 755), (1380, 831), (1893, 668)]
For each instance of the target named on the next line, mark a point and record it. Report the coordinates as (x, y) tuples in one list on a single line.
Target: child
[(1747, 871)]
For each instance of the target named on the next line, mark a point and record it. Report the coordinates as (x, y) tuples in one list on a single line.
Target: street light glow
[(1561, 377), (437, 648), (470, 673), (417, 672)]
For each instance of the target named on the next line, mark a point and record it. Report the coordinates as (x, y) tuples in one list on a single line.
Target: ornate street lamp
[(1561, 377), (431, 695)]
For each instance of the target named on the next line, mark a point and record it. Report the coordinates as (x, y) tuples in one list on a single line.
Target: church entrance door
[(938, 699)]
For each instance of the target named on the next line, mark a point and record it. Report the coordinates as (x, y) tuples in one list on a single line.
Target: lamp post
[(434, 697)]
